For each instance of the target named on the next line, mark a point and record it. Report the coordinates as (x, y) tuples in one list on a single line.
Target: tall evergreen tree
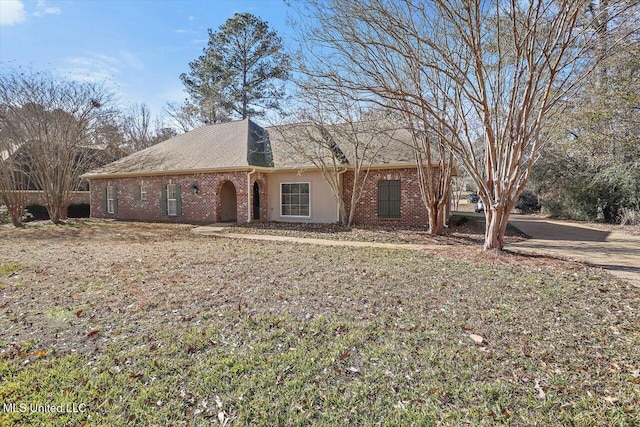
[(241, 73)]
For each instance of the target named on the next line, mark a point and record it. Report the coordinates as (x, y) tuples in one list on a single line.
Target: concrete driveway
[(616, 252)]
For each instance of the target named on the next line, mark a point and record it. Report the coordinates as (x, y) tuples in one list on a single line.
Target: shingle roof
[(230, 145), (244, 144), (384, 145)]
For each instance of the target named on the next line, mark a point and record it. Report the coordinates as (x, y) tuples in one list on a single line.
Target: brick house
[(241, 172)]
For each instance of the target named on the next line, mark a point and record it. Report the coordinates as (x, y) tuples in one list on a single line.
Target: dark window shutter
[(137, 191), (178, 200), (394, 199), (383, 199), (163, 199), (115, 200), (104, 201), (389, 199)]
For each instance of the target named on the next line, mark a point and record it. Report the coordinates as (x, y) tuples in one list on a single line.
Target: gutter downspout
[(249, 194), (340, 181)]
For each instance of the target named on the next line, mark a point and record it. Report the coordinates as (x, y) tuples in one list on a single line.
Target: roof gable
[(230, 145)]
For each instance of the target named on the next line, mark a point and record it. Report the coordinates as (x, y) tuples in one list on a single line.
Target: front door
[(256, 201)]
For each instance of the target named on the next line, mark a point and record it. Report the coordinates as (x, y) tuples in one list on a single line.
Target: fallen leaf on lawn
[(345, 355), (611, 399), (93, 333), (79, 313), (40, 353), (541, 394), (476, 338)]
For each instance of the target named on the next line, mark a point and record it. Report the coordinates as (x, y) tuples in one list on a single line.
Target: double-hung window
[(143, 191), (295, 200), (111, 199), (172, 199)]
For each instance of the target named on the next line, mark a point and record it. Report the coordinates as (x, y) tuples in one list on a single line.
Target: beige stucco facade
[(323, 207)]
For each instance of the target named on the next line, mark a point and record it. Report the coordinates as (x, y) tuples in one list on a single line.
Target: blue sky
[(139, 47)]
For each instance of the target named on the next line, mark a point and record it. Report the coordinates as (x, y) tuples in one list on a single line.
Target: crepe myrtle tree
[(53, 121), (14, 183), (334, 133), (488, 75)]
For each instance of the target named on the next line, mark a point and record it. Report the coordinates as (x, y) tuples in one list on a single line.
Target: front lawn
[(147, 324)]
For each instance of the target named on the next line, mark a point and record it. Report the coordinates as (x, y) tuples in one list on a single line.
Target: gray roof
[(243, 144), (239, 144), (376, 142)]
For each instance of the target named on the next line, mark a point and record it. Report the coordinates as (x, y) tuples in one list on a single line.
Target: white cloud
[(180, 31), (132, 60), (12, 12), (42, 9), (92, 67)]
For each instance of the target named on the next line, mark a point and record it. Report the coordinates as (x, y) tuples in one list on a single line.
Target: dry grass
[(150, 324)]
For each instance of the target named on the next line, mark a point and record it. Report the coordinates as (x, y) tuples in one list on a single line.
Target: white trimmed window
[(111, 197), (295, 200), (172, 199), (143, 191)]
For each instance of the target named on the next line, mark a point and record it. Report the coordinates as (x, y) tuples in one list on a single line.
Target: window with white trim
[(294, 199), (143, 191), (172, 199), (111, 196)]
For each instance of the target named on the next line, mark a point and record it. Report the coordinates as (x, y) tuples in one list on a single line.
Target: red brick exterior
[(205, 206), (412, 209), (201, 207)]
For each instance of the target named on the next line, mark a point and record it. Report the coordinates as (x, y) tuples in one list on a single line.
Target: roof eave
[(174, 172)]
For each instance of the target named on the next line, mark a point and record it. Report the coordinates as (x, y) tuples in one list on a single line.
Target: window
[(111, 199), (140, 192), (389, 199), (294, 199), (172, 199)]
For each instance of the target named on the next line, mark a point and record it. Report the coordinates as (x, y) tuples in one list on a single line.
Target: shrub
[(528, 202), (81, 210), (36, 213), (630, 217)]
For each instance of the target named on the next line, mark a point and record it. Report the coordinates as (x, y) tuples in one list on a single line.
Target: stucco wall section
[(323, 206)]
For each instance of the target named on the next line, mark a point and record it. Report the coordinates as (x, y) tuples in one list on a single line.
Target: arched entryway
[(256, 201), (228, 202)]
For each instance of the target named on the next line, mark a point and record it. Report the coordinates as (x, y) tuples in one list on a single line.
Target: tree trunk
[(436, 219), (54, 214), (15, 207), (497, 220)]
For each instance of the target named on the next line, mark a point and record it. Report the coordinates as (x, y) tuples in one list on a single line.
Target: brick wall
[(412, 210), (203, 207)]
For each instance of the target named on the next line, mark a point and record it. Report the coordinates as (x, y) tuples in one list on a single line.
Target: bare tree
[(14, 183), (137, 127), (185, 116), (53, 121), (141, 131), (335, 134), (487, 70)]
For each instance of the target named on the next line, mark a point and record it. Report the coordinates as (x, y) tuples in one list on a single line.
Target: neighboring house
[(241, 172)]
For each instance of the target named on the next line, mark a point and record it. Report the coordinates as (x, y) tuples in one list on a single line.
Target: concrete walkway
[(221, 231), (616, 252)]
